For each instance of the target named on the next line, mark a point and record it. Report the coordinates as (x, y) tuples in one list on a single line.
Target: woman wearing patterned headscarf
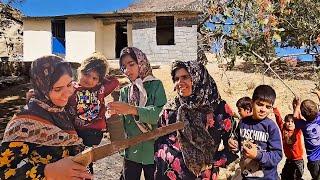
[(140, 103), (193, 152), (37, 140)]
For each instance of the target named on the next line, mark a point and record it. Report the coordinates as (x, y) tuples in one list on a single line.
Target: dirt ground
[(241, 84)]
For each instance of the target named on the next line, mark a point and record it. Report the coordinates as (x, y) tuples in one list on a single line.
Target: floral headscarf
[(204, 89), (43, 122), (137, 94), (43, 75), (141, 58), (197, 145)]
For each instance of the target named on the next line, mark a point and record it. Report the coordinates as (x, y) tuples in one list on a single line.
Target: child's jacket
[(90, 105), (144, 152)]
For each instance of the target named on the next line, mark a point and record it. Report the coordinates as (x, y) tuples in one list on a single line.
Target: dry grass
[(243, 84)]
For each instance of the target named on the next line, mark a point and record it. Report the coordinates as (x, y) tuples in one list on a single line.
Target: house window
[(165, 30), (58, 30)]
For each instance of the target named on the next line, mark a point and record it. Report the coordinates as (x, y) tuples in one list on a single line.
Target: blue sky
[(288, 50), (63, 7)]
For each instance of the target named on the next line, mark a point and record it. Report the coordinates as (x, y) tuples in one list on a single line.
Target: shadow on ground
[(11, 100)]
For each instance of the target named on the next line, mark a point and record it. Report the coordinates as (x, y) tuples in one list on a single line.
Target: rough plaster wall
[(80, 38), (109, 40), (36, 39)]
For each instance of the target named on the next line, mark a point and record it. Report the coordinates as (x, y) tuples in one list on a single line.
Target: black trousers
[(314, 168), (90, 137), (293, 169), (132, 171)]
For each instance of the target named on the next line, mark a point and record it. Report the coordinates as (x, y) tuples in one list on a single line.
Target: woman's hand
[(66, 169), (233, 145), (121, 108)]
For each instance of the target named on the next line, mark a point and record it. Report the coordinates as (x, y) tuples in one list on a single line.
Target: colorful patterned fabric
[(170, 157), (208, 120), (23, 160), (33, 129), (89, 104)]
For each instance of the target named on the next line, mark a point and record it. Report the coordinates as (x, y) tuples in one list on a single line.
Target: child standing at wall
[(88, 99), (140, 103), (258, 138)]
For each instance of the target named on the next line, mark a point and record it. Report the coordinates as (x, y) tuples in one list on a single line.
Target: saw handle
[(84, 158)]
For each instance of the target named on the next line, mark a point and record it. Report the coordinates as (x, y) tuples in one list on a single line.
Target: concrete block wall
[(185, 38)]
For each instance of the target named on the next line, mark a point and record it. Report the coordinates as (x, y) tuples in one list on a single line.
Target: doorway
[(121, 37)]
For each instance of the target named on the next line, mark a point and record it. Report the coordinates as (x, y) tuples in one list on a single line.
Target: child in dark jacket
[(258, 138)]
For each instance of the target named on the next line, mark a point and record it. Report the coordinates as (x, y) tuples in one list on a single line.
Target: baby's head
[(93, 70)]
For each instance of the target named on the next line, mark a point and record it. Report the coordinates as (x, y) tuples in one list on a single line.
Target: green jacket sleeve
[(150, 114)]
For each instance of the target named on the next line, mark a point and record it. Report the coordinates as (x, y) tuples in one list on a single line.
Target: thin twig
[(269, 67)]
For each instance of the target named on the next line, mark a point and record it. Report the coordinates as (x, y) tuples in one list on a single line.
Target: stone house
[(165, 30)]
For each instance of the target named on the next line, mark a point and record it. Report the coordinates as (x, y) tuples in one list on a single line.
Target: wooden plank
[(100, 152)]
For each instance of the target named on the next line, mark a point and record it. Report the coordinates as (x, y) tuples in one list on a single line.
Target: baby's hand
[(276, 110)]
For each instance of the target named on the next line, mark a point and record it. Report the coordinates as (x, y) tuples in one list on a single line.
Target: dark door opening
[(121, 37), (58, 29)]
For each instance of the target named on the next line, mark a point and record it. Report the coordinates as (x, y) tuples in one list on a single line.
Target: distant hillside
[(10, 33)]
